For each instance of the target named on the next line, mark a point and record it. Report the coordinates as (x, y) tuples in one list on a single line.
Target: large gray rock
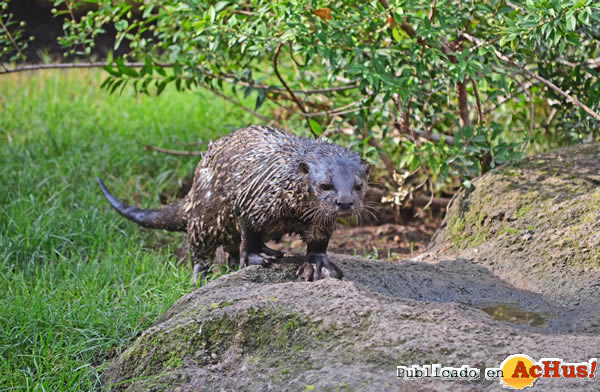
[(535, 224), (521, 277)]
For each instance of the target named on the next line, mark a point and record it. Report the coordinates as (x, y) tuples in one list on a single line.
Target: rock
[(488, 288), (555, 201)]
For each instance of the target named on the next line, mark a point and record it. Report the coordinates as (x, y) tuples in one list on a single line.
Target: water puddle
[(511, 314)]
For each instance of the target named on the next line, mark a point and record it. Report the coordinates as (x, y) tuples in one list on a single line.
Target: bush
[(444, 89)]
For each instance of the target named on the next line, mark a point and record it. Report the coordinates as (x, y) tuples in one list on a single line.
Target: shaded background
[(45, 27)]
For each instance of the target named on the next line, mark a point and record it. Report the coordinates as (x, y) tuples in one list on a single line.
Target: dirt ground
[(388, 241)]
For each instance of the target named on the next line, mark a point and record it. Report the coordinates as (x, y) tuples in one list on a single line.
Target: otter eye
[(326, 187), (357, 187)]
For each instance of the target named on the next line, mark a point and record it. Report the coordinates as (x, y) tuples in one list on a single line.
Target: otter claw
[(256, 259), (271, 253), (305, 272), (318, 267)]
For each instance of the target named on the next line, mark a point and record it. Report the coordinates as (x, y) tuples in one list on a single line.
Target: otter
[(257, 184)]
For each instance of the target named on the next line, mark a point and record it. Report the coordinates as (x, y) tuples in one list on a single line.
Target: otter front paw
[(318, 267), (255, 259), (271, 254), (263, 257)]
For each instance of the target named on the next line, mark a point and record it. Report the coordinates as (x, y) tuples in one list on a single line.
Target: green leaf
[(107, 82), (160, 70), (399, 34), (116, 85), (247, 91), (315, 126), (147, 69), (221, 5), (160, 86), (584, 17), (121, 25), (111, 70), (571, 22), (177, 68), (123, 86), (213, 14), (125, 69), (109, 58), (415, 163), (260, 99)]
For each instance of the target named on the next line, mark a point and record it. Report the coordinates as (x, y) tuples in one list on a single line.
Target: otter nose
[(343, 205)]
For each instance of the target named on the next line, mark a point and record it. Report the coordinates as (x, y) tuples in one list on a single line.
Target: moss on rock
[(542, 213)]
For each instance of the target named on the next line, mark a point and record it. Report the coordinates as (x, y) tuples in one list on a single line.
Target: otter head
[(338, 184)]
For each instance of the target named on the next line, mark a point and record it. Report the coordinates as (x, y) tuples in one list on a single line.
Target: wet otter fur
[(257, 184)]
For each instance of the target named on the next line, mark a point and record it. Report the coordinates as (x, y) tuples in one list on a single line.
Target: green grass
[(78, 282)]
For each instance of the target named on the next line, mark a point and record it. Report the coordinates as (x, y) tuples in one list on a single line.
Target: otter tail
[(169, 217)]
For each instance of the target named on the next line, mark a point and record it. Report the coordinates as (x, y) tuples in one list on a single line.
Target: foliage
[(12, 39), (444, 88)]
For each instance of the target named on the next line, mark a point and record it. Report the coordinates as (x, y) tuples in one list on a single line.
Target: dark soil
[(388, 241), (46, 28)]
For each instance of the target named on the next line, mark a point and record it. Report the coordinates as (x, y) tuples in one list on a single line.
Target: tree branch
[(70, 9), (236, 103), (436, 202), (548, 83), (432, 12), (96, 64), (226, 78), (338, 111), (550, 119), (477, 101), (387, 161), (463, 106), (506, 99), (433, 137), (531, 109), (287, 88), (231, 79), (410, 31), (12, 40)]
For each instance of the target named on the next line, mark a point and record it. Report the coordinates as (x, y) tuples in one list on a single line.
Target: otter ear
[(303, 168), (367, 166)]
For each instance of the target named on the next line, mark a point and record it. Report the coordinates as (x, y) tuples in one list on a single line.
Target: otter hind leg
[(202, 251), (201, 263), (253, 250), (200, 271)]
